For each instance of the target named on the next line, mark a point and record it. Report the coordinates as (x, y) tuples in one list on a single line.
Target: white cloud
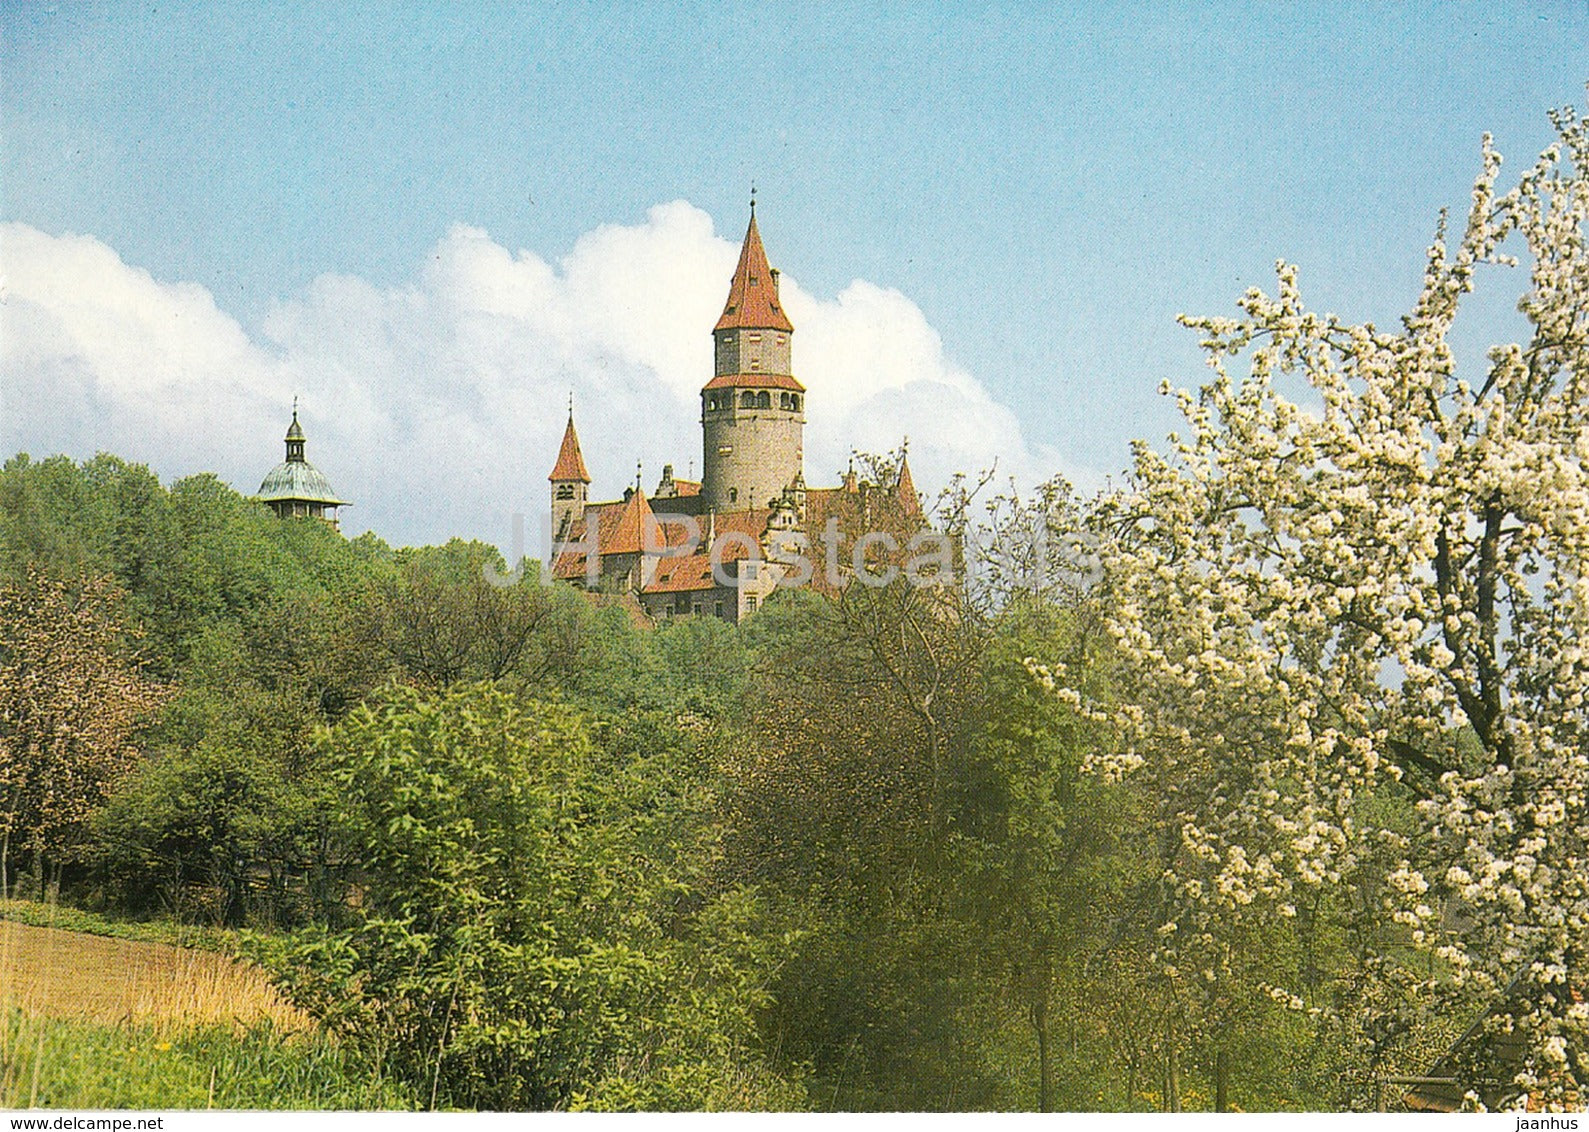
[(437, 406)]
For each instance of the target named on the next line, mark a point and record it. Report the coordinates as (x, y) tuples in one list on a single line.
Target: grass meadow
[(97, 1021)]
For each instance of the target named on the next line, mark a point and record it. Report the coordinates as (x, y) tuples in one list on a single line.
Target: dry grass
[(62, 974)]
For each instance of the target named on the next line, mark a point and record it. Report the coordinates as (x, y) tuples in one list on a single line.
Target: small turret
[(905, 486), (295, 488), (570, 481)]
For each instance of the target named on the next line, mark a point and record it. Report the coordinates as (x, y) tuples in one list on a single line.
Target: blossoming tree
[(1353, 607)]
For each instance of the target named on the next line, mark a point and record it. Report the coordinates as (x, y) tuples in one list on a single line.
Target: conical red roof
[(570, 464), (630, 535), (906, 488), (753, 295)]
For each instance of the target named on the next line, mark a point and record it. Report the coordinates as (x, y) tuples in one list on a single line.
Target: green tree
[(441, 620), (518, 941), (1045, 852)]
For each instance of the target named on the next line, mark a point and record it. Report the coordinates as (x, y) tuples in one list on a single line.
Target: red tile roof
[(753, 295), (908, 499), (682, 575), (621, 524), (629, 534), (570, 464), (754, 381), (749, 523)]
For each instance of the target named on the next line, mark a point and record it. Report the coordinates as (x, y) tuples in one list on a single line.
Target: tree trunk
[(5, 860), (1172, 1070), (1221, 1079), (1045, 1057)]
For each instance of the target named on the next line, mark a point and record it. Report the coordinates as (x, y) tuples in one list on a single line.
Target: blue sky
[(1046, 186)]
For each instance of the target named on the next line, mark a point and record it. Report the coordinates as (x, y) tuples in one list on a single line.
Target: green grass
[(41, 915), (53, 1063)]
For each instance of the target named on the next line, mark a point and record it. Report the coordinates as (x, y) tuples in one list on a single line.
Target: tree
[(71, 700), (227, 816), (1043, 851), (528, 933), (842, 805), (441, 620), (1353, 602)]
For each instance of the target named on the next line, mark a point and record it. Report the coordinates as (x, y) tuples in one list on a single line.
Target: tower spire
[(295, 437), (753, 300), (570, 466), (570, 479)]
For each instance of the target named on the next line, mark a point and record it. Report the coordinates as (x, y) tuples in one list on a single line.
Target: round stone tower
[(753, 409)]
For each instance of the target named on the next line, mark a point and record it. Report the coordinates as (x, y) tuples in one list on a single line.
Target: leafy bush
[(515, 944)]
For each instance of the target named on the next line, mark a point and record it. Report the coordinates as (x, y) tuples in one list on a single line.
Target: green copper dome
[(295, 480), (300, 481)]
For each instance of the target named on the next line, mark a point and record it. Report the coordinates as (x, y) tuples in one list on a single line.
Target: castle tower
[(570, 480), (753, 409), (295, 488)]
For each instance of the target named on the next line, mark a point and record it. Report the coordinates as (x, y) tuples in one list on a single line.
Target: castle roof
[(629, 533), (295, 480), (570, 464), (906, 489), (620, 526), (754, 381), (753, 295), (298, 481)]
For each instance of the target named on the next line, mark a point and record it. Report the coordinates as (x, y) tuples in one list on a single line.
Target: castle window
[(794, 401), (764, 400), (750, 603), (755, 337), (747, 400), (733, 495), (565, 491), (783, 401)]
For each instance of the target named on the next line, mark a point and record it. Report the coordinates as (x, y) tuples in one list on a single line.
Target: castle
[(720, 547)]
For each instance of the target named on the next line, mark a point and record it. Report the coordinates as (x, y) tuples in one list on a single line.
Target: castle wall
[(748, 456), (752, 351)]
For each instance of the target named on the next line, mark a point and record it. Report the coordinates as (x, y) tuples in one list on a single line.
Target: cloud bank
[(437, 406)]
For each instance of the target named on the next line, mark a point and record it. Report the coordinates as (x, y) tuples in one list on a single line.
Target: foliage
[(71, 698), (441, 620), (1372, 588), (512, 947)]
